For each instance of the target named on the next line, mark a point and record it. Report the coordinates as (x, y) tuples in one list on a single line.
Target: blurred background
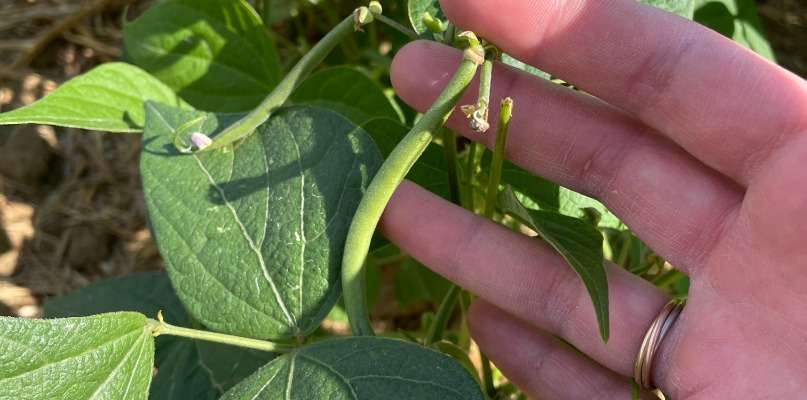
[(71, 206)]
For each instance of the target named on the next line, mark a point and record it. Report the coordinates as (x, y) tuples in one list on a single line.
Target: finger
[(521, 275), (725, 105), (542, 366), (672, 201)]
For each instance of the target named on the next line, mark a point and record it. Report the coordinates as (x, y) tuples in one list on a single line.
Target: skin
[(696, 143)]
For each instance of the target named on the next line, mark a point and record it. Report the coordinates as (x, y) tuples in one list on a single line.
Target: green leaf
[(684, 8), (738, 20), (280, 10), (349, 92), (416, 10), (108, 98), (146, 293), (215, 53), (578, 241), (518, 64), (414, 283), (253, 235), (573, 204), (430, 171), (186, 368), (360, 368), (202, 370), (108, 356), (539, 190)]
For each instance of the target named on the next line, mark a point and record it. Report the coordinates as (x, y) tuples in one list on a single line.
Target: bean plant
[(264, 185)]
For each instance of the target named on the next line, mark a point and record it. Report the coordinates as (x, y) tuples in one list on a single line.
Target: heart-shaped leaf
[(349, 92), (108, 98), (185, 368), (253, 234), (416, 10), (215, 53), (577, 240), (108, 356), (360, 368)]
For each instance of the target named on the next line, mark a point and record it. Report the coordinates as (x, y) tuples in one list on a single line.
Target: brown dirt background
[(71, 206)]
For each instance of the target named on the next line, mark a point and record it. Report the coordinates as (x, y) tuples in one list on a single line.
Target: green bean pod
[(381, 189)]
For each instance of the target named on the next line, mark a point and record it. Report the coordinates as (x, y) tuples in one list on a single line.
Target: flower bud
[(375, 8), (200, 140), (361, 17)]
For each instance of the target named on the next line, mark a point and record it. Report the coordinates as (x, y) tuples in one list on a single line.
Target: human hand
[(697, 144)]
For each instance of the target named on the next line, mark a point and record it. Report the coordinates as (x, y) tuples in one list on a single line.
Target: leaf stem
[(397, 26), (505, 115), (160, 327), (381, 189), (450, 152), (246, 125), (487, 377), (438, 326)]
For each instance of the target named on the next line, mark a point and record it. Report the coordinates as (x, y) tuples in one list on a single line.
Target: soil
[(71, 205)]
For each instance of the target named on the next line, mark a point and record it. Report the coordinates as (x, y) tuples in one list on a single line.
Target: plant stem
[(398, 27), (487, 376), (505, 115), (440, 322), (381, 189), (160, 327), (245, 126), (450, 151)]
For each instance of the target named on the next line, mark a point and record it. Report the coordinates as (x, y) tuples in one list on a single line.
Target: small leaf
[(580, 244), (349, 92), (108, 98), (684, 8), (416, 10), (253, 235), (360, 368), (573, 204), (215, 53), (108, 356)]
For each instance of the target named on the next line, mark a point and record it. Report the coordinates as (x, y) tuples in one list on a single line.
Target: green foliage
[(349, 92), (418, 8), (738, 20), (578, 241), (214, 53), (360, 368), (684, 8), (431, 170), (107, 356), (185, 369), (107, 98), (253, 235)]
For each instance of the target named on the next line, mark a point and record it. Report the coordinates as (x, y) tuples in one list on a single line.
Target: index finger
[(725, 105)]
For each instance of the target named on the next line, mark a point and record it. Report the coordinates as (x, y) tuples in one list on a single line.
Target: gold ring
[(642, 369)]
